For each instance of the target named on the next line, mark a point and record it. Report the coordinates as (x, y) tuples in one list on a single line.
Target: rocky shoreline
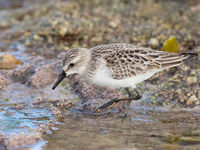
[(36, 35)]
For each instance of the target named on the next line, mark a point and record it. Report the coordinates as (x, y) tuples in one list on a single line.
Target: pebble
[(154, 43), (8, 61), (191, 80), (37, 37), (113, 23), (191, 100), (62, 30), (197, 103), (4, 24)]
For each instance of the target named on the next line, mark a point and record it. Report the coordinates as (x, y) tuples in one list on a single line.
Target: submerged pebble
[(46, 28)]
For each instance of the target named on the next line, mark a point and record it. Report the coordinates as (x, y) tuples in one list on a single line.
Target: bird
[(118, 65)]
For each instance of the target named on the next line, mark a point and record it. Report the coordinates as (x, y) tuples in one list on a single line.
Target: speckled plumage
[(126, 60), (118, 65), (122, 61)]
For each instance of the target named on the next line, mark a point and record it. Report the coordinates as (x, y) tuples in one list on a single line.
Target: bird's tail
[(172, 60)]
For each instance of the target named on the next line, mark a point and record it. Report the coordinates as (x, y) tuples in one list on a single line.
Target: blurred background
[(33, 38)]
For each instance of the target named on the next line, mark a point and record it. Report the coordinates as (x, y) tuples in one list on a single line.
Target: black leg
[(112, 102), (128, 103), (131, 97), (137, 97)]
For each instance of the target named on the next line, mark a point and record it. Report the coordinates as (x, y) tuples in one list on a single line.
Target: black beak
[(60, 78)]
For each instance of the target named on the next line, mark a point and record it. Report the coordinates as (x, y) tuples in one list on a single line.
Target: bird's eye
[(71, 65)]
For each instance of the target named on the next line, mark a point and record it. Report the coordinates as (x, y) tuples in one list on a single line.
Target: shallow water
[(145, 128), (13, 120), (26, 32)]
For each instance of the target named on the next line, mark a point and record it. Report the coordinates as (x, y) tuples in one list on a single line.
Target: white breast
[(103, 77)]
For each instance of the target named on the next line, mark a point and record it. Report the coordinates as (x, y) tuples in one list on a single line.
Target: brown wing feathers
[(171, 60), (127, 60)]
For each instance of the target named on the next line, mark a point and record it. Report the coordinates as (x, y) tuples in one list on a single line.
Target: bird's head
[(75, 61)]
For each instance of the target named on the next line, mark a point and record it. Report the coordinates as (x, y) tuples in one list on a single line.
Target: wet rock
[(22, 74), (44, 129), (154, 43), (3, 81), (20, 141), (93, 96), (78, 84), (8, 61), (43, 75), (58, 107), (88, 91), (191, 80), (59, 27), (2, 144), (191, 100)]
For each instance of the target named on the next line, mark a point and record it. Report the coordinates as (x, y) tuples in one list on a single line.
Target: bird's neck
[(86, 57)]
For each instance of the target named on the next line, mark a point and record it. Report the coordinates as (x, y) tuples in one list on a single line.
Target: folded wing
[(125, 63)]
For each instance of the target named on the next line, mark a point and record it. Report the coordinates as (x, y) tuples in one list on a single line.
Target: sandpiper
[(118, 65)]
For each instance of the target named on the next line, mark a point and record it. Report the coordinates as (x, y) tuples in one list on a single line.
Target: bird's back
[(128, 63)]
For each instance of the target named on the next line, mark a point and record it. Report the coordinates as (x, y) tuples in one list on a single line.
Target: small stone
[(181, 100), (113, 23), (191, 100), (180, 93), (185, 68), (191, 80), (154, 43), (4, 24), (62, 30), (197, 103), (8, 61), (36, 37)]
